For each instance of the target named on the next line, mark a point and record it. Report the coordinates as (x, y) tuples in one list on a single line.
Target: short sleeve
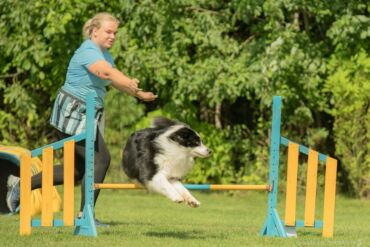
[(88, 57), (109, 58)]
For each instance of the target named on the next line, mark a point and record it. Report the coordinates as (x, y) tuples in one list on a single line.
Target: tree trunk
[(218, 123)]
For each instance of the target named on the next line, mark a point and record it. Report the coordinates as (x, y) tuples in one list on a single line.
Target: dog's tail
[(162, 122)]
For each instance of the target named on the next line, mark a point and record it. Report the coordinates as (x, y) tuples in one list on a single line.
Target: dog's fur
[(158, 157)]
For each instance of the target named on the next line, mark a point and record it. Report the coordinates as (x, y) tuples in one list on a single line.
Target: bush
[(350, 86)]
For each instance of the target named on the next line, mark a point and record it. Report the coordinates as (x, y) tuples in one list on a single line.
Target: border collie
[(158, 157)]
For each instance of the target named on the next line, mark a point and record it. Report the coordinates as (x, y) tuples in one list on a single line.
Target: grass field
[(138, 218)]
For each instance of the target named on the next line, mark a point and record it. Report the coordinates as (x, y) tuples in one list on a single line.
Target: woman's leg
[(101, 164), (58, 170)]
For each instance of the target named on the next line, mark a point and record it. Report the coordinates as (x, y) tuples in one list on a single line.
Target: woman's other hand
[(146, 96)]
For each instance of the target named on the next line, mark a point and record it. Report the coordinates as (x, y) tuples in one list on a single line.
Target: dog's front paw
[(193, 203), (178, 199)]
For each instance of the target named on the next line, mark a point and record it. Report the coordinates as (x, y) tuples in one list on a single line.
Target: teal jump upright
[(273, 225), (86, 225)]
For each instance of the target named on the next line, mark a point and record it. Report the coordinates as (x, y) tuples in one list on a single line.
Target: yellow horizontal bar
[(117, 186), (212, 187)]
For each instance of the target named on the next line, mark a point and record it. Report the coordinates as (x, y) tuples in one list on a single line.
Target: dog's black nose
[(209, 151)]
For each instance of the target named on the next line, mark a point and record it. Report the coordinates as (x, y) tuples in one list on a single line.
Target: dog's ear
[(162, 122)]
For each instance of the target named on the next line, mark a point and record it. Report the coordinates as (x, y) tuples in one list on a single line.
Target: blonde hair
[(95, 22)]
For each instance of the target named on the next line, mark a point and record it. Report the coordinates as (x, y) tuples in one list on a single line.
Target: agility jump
[(273, 225)]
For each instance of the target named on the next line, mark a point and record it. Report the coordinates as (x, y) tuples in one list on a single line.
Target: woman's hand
[(133, 86), (146, 96)]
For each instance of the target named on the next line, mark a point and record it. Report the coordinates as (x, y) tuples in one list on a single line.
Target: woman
[(91, 69)]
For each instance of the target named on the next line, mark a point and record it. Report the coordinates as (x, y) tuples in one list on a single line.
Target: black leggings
[(101, 164)]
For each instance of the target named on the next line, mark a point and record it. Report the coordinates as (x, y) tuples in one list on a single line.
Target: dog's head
[(184, 136), (188, 138)]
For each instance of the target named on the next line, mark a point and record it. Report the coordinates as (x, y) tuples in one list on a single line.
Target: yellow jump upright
[(314, 157), (25, 195), (291, 184), (69, 182), (84, 225), (311, 185), (47, 217), (329, 197), (47, 185)]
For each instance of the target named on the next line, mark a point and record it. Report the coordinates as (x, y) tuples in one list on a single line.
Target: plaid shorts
[(69, 114)]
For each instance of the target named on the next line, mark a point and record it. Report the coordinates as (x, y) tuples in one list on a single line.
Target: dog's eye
[(185, 137)]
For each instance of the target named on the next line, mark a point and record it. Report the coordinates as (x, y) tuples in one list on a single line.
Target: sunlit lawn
[(138, 218)]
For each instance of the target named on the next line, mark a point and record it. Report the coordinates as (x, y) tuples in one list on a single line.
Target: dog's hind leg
[(160, 184), (189, 198)]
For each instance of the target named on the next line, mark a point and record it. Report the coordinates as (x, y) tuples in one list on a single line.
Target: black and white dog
[(158, 157)]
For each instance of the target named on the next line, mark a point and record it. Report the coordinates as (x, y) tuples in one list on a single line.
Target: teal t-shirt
[(79, 80)]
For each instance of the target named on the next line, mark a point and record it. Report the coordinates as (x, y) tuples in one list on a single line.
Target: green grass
[(139, 218)]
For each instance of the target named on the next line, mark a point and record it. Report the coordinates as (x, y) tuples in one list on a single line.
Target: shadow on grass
[(178, 234), (128, 223), (114, 223)]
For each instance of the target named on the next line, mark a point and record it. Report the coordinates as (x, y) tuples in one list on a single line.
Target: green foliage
[(219, 167), (16, 97), (205, 59), (34, 55), (350, 86)]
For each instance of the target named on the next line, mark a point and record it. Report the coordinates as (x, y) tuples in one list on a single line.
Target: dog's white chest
[(174, 164)]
